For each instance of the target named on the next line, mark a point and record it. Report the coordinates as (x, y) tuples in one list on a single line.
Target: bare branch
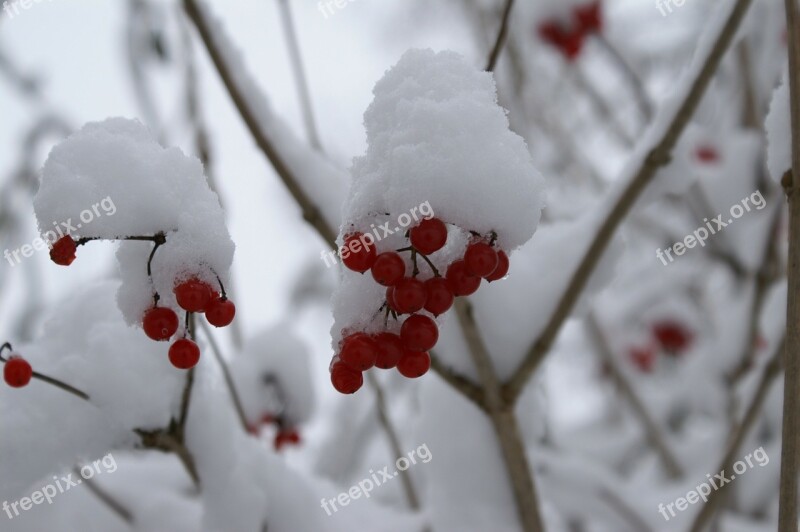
[(502, 34)]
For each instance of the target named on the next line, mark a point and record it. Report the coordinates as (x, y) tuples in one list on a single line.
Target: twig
[(44, 378), (501, 413), (639, 91), (237, 402), (600, 105), (299, 74), (462, 384), (394, 439), (311, 212), (771, 371), (790, 448), (501, 37), (114, 505), (654, 433), (657, 157)]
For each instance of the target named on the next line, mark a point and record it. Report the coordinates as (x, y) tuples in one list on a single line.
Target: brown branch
[(651, 428), (237, 402), (106, 498), (462, 384), (501, 414), (394, 439), (771, 371), (790, 448), (502, 34), (657, 157), (640, 93), (311, 212)]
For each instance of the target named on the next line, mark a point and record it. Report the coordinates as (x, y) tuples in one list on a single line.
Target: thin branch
[(790, 448), (501, 414), (44, 378), (651, 428), (462, 384), (296, 60), (394, 439), (311, 212), (237, 402), (657, 158), (639, 91), (603, 109), (502, 34), (771, 371), (106, 498)]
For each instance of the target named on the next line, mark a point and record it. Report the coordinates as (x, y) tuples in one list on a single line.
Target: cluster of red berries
[(669, 337), (161, 323), (193, 296), (406, 294), (284, 436), (17, 372), (569, 37)]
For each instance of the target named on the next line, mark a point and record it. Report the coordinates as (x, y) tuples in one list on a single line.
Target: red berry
[(707, 154), (672, 336), (286, 437), (17, 372), (502, 267), (390, 349), (643, 358), (419, 333), (589, 17), (572, 44), (461, 282), (359, 252), (220, 312), (429, 236), (390, 299), (194, 295), (184, 354), (63, 251), (480, 259), (440, 296), (552, 33), (345, 379), (410, 295), (414, 364), (388, 269), (160, 323), (359, 351)]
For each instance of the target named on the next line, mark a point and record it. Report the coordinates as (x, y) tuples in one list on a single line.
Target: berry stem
[(44, 378), (435, 271), (414, 260), (237, 402)]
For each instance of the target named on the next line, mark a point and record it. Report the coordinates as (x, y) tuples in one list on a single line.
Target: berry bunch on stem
[(569, 36), (408, 295), (18, 372), (162, 323)]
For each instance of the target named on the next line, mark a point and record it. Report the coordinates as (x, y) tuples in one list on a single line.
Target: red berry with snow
[(480, 259), (414, 364), (17, 372), (429, 236), (184, 354), (502, 267), (672, 336), (63, 251), (419, 333), (194, 295), (286, 437), (345, 379), (390, 349), (410, 295), (359, 351), (160, 323), (220, 312), (462, 283), (439, 296), (359, 253), (388, 269)]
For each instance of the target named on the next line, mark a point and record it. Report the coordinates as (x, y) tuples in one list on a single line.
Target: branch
[(504, 421), (462, 384), (114, 505), (716, 498), (311, 212), (501, 37), (642, 99), (237, 402), (790, 448), (656, 158), (652, 430)]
